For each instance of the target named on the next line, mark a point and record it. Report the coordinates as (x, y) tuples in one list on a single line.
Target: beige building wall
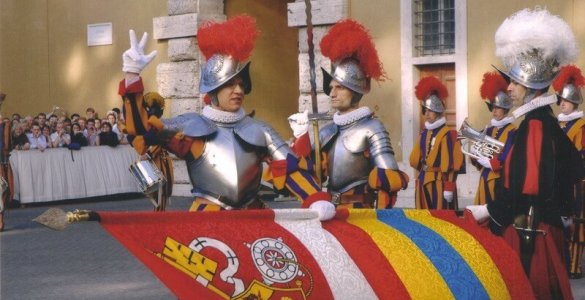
[(382, 18), (45, 60), (274, 68)]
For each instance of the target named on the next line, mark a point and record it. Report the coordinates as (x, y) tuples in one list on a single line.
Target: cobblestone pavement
[(83, 261)]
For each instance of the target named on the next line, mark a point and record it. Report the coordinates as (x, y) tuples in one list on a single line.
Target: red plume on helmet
[(349, 38), (492, 84), (569, 74), (430, 85), (235, 37)]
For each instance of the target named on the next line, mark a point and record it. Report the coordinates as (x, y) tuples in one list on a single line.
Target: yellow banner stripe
[(467, 246), (415, 270)]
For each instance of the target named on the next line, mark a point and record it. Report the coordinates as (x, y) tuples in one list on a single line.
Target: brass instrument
[(477, 144)]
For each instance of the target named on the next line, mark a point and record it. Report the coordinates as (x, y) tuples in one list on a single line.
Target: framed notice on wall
[(99, 34)]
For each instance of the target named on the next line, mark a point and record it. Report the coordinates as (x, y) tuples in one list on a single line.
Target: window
[(434, 27)]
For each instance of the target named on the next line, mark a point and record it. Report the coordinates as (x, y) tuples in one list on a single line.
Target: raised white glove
[(479, 212), (299, 123), (567, 221), (448, 195), (485, 162), (134, 58), (324, 208)]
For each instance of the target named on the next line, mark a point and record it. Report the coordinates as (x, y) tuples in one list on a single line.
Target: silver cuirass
[(229, 171), (348, 166)]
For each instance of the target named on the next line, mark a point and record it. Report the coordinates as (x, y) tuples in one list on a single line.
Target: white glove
[(299, 123), (485, 162), (479, 212), (448, 195), (567, 221), (324, 208), (134, 58)]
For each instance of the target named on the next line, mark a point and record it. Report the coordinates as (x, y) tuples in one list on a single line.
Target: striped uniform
[(289, 173), (438, 159), (487, 180), (575, 129)]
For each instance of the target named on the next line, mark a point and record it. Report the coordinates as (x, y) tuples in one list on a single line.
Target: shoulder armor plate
[(191, 124), (358, 140), (257, 133)]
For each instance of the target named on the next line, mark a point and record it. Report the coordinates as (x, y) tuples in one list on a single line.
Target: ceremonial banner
[(290, 254)]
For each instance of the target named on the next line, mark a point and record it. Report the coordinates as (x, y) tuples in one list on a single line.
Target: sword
[(525, 227)]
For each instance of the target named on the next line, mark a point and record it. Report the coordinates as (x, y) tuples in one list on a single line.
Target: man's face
[(431, 116), (566, 107), (81, 123), (517, 92), (340, 97), (498, 113), (90, 115), (42, 118), (231, 95), (112, 119), (36, 130)]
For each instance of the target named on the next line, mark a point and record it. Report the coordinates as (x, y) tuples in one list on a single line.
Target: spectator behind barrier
[(19, 138), (107, 136), (36, 139), (60, 138), (46, 131), (78, 138)]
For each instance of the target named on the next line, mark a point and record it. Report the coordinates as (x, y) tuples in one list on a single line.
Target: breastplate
[(347, 169), (228, 172)]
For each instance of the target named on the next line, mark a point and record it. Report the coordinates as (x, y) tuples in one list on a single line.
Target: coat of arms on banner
[(215, 265)]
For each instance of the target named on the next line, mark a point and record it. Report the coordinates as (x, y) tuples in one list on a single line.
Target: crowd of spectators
[(53, 131)]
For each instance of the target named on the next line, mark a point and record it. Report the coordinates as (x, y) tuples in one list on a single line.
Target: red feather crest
[(569, 74), (492, 84), (235, 37), (349, 38), (430, 85)]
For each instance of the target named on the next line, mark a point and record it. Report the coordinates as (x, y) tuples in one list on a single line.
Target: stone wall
[(324, 14)]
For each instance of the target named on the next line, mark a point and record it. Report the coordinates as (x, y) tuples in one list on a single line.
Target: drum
[(148, 176)]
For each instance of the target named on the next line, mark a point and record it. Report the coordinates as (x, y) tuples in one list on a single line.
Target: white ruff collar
[(438, 123), (503, 122), (221, 116), (570, 117), (351, 116), (535, 103)]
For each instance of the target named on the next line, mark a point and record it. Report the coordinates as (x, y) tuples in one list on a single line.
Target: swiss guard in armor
[(568, 87), (540, 172), (494, 90), (437, 154), (223, 147), (355, 148)]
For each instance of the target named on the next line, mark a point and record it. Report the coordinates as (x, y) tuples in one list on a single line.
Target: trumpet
[(477, 144)]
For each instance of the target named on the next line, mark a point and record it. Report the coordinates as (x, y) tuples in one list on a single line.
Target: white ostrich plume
[(528, 30)]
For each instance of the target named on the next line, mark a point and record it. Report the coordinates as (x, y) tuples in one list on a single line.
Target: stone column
[(324, 14), (178, 80)]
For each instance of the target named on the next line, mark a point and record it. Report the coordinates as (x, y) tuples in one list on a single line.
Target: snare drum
[(148, 176)]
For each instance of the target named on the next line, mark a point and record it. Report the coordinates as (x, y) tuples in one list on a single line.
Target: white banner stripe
[(345, 279)]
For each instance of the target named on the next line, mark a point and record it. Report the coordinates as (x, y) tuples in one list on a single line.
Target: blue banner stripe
[(458, 276)]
